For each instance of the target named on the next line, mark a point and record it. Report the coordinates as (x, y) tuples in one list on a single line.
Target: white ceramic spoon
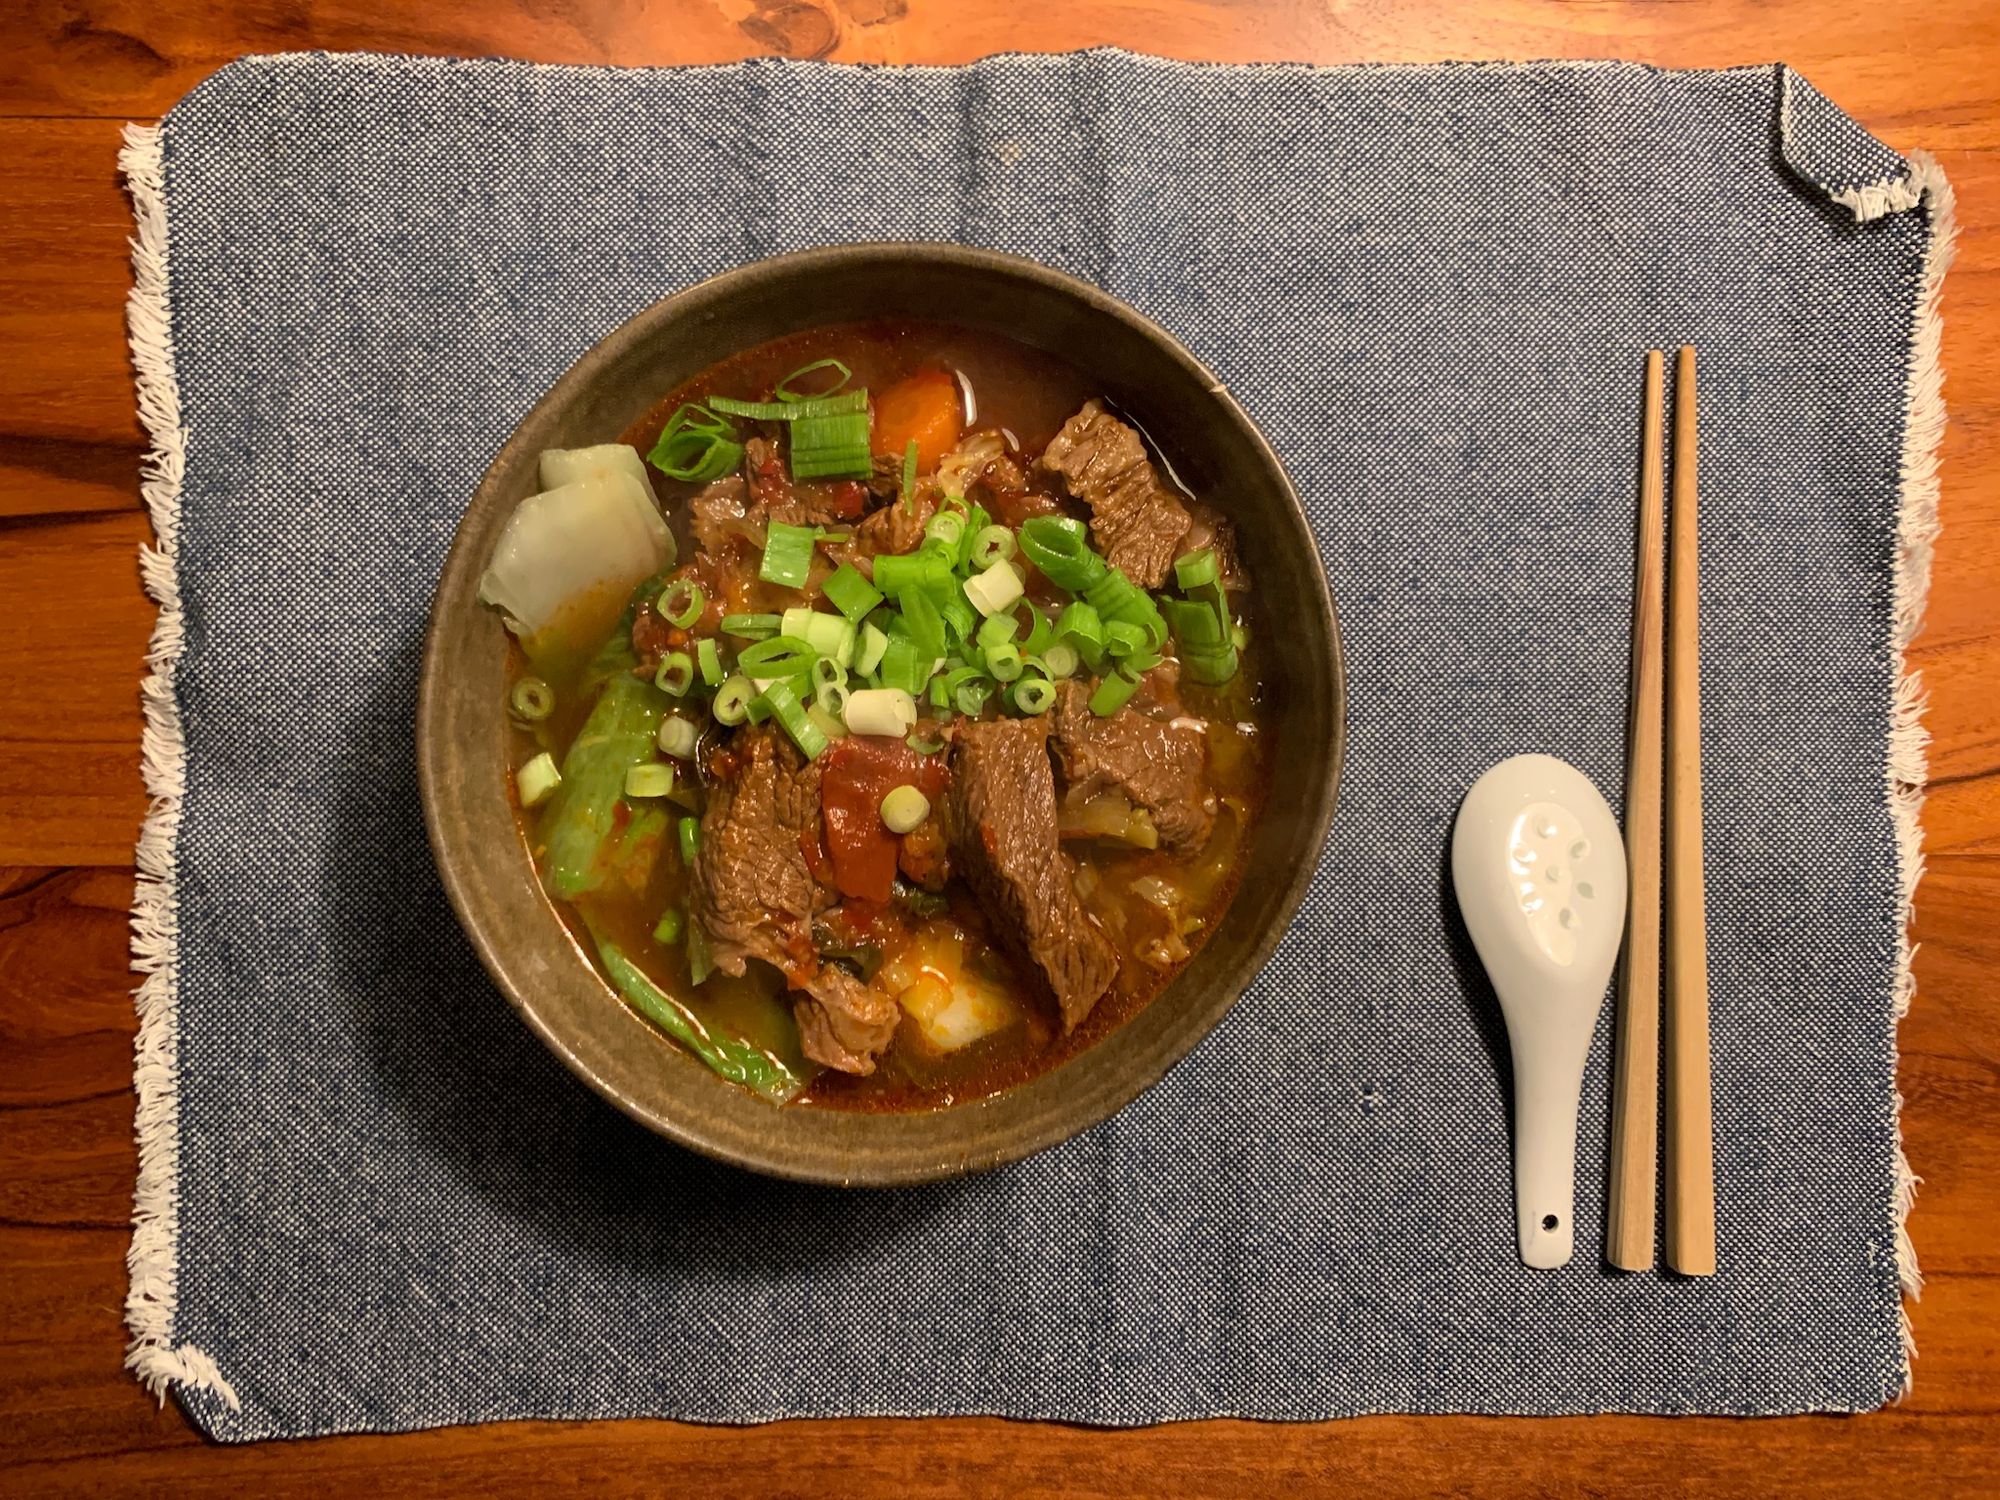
[(1540, 873)]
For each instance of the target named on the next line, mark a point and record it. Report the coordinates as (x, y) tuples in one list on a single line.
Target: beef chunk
[(755, 892), (1003, 825), (797, 502), (1136, 521), (1157, 765), (844, 1024)]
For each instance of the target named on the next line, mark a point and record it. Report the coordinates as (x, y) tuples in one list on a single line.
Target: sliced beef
[(798, 502), (755, 890), (985, 469), (1158, 765), (896, 527), (1136, 521), (1003, 828), (844, 1024)]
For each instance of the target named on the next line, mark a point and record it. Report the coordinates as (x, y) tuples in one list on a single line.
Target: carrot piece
[(926, 408)]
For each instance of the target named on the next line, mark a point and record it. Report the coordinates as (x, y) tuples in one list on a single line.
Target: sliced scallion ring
[(532, 700)]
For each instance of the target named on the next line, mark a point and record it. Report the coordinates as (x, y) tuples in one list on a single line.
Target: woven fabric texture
[(1432, 287)]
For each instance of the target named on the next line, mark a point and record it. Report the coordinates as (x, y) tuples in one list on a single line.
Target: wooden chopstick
[(1690, 1144), (1636, 1097)]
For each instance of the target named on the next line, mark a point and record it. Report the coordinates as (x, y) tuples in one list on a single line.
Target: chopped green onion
[(1193, 569), (732, 700), (826, 672), (695, 446), (675, 674), (889, 711), (831, 636), (750, 627), (844, 404), (831, 447), (904, 808), (759, 707), (1143, 663), (687, 832), (533, 700), (788, 554), (869, 656), (909, 474), (976, 521), (940, 693), (1061, 660), (1122, 639), (904, 667), (1112, 694), (537, 779), (668, 930), (959, 619), (709, 660), (1060, 548), (829, 722), (994, 589), (997, 630), (782, 656), (947, 526), (847, 591), (1209, 664), (701, 964), (924, 744), (1004, 661), (971, 698), (1194, 624), (991, 545), (831, 696), (925, 623), (784, 392), (1034, 695), (791, 715), (677, 737), (1040, 631), (681, 603), (1083, 628), (1239, 637), (900, 574), (649, 780)]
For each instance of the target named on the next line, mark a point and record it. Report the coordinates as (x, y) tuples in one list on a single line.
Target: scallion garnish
[(831, 447), (687, 832), (1061, 659), (732, 700), (868, 656), (532, 699), (904, 667), (844, 404), (1122, 639), (899, 574), (991, 545), (971, 698), (681, 603), (925, 623), (1082, 627), (785, 707), (1060, 548), (924, 744), (677, 737), (653, 779), (782, 656), (750, 627), (909, 474), (946, 526), (788, 554), (696, 446), (847, 591), (994, 589), (675, 674), (535, 780), (1112, 694), (1034, 695), (709, 660), (1193, 569), (668, 930), (1004, 661), (842, 374)]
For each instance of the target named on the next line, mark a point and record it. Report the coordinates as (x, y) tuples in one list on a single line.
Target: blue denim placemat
[(371, 1200)]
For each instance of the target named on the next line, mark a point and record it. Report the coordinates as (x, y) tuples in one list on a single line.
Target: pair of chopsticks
[(1666, 694)]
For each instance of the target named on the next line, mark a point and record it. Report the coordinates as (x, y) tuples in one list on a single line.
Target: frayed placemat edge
[(152, 1260)]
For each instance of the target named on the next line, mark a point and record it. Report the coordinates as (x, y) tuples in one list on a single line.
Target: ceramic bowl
[(462, 731)]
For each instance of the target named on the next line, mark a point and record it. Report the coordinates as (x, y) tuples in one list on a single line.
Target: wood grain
[(71, 1422)]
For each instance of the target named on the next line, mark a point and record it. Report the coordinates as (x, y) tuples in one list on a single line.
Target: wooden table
[(75, 626)]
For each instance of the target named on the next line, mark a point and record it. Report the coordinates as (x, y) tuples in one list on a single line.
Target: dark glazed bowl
[(462, 731)]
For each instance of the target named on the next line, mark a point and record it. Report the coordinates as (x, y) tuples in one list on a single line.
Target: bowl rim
[(459, 575)]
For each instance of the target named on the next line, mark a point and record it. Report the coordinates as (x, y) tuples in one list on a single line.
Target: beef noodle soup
[(890, 730)]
